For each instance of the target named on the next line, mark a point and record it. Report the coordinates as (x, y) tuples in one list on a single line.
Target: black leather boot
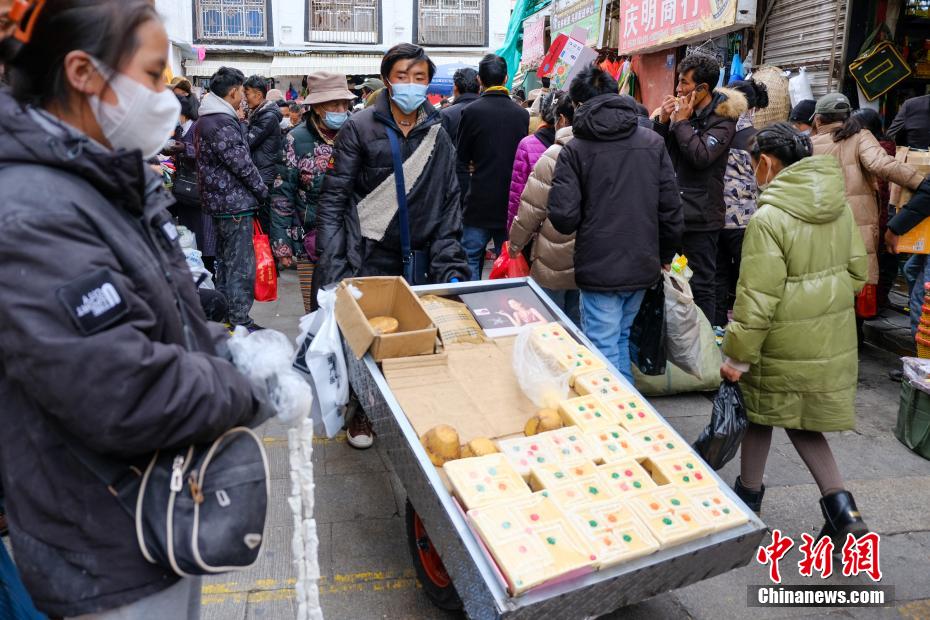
[(753, 499), (841, 517)]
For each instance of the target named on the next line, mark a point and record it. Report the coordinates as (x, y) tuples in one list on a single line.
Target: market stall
[(571, 510)]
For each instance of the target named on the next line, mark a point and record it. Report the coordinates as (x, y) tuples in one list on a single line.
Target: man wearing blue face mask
[(365, 227), (308, 149)]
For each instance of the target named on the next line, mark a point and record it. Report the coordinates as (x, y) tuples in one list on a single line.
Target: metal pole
[(836, 28)]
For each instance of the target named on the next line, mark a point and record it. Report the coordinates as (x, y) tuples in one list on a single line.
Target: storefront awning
[(259, 65), (349, 64)]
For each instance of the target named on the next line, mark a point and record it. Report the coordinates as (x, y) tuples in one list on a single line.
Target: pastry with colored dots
[(717, 508), (552, 338), (580, 493), (670, 515), (626, 477), (588, 413), (484, 480), (684, 469), (532, 541), (559, 474), (632, 414), (525, 452), (615, 532), (657, 440), (579, 360), (600, 383), (614, 444), (569, 444)]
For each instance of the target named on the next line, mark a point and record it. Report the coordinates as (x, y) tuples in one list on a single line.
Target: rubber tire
[(445, 598)]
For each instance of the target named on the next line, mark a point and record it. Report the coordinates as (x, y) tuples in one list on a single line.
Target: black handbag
[(198, 510), (416, 262)]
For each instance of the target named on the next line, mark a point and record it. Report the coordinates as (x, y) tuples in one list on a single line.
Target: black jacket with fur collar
[(699, 148)]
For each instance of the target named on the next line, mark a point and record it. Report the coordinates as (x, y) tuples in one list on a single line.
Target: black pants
[(729, 251), (213, 304), (701, 250)]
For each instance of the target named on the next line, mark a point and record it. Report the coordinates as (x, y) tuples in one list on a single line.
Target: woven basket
[(305, 278), (779, 104), (923, 347)]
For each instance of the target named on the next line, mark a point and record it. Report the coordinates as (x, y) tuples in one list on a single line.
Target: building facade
[(287, 39)]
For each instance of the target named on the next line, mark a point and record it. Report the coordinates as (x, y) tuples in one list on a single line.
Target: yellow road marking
[(264, 590), (317, 441), (918, 610)]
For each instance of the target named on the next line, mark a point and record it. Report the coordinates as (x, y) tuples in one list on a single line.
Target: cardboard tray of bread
[(572, 509)]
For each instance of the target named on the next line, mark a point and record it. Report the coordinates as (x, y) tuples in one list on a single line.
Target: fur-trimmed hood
[(729, 103)]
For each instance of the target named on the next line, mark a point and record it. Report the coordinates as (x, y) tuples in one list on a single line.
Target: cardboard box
[(384, 296), (916, 240)]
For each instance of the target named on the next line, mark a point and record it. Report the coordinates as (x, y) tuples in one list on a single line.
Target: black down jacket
[(700, 148), (614, 184), (266, 142), (92, 343), (361, 161)]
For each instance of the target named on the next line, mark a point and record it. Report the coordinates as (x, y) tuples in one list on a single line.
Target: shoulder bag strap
[(402, 216)]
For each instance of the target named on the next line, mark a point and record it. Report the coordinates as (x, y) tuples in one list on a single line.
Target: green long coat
[(794, 320)]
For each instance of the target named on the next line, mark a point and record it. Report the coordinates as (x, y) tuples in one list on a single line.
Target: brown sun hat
[(325, 86)]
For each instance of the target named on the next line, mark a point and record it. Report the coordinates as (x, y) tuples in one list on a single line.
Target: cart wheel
[(428, 565)]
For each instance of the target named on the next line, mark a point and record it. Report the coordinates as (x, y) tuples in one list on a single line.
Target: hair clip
[(25, 13)]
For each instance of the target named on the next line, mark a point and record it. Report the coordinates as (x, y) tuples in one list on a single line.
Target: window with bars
[(232, 20), (452, 22), (344, 21)]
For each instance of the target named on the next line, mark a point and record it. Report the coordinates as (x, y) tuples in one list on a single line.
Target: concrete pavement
[(366, 566)]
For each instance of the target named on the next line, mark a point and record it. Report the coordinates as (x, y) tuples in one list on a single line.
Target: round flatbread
[(384, 324)]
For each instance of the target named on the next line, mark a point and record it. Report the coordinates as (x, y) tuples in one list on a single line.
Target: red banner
[(652, 23)]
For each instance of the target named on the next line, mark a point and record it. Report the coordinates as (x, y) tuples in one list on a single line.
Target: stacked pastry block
[(305, 541), (614, 484)]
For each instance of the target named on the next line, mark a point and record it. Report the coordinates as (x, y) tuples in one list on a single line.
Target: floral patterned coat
[(296, 190)]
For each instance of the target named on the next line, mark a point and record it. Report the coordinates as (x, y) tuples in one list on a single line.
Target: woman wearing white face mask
[(103, 343), (307, 151)]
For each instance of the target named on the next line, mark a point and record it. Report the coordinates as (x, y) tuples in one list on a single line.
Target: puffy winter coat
[(92, 342), (862, 160), (266, 140), (230, 184), (794, 320), (614, 183), (699, 148), (552, 260), (361, 161), (529, 151)]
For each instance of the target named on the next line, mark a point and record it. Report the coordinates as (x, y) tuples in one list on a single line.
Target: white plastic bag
[(265, 358), (199, 271), (682, 325), (321, 357), (799, 87), (540, 376)]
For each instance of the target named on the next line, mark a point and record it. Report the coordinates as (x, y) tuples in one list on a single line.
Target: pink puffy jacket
[(529, 151)]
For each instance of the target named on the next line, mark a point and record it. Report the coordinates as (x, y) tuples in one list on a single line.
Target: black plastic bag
[(647, 335), (719, 442)]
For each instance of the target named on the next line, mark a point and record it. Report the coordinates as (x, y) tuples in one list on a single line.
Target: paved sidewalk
[(366, 566)]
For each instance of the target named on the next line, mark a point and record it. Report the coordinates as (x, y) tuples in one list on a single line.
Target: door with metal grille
[(808, 33)]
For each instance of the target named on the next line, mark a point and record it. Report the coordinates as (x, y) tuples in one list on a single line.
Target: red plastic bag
[(506, 267), (867, 302), (266, 276)]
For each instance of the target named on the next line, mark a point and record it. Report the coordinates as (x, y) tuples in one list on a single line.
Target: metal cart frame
[(483, 596)]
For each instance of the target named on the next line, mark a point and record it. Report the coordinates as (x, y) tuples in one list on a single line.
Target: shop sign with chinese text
[(647, 25), (567, 15), (534, 40)]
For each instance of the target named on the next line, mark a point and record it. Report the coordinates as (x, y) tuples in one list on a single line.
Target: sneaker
[(359, 433), (254, 327)]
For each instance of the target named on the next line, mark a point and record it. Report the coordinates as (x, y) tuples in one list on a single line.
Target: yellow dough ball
[(482, 446), (545, 420), (442, 444)]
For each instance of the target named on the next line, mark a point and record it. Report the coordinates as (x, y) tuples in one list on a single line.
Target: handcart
[(449, 559)]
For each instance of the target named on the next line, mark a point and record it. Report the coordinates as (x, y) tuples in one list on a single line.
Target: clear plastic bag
[(720, 440), (265, 358), (540, 376)]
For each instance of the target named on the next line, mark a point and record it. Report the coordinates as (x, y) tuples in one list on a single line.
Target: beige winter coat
[(863, 160), (552, 258)]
